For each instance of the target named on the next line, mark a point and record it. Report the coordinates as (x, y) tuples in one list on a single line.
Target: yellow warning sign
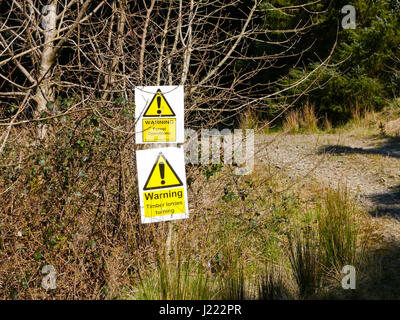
[(159, 107), (164, 202), (159, 130), (162, 184), (162, 175)]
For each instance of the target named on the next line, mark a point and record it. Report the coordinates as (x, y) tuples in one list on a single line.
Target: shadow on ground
[(377, 277), (390, 147), (387, 203)]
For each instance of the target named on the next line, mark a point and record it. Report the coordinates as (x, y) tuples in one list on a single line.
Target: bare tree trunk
[(143, 44), (163, 41), (44, 92), (119, 47), (188, 45)]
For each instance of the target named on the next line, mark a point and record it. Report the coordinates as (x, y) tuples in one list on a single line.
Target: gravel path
[(370, 166)]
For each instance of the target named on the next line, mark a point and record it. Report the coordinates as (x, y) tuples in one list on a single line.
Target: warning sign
[(162, 184), (156, 130), (162, 175), (161, 203), (159, 107), (159, 114)]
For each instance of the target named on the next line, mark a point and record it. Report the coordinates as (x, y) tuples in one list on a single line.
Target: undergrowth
[(72, 202)]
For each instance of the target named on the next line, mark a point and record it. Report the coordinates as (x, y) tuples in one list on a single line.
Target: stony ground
[(369, 165)]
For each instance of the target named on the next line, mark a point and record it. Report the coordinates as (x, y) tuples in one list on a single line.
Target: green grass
[(271, 285), (337, 229), (304, 260), (304, 247), (180, 281)]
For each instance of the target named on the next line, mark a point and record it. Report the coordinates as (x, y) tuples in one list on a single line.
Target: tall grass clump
[(304, 260), (248, 120), (180, 281), (233, 285), (301, 121), (337, 229), (271, 285), (231, 274), (327, 125), (309, 121), (291, 122)]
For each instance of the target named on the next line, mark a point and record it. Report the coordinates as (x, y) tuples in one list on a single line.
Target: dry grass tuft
[(301, 121)]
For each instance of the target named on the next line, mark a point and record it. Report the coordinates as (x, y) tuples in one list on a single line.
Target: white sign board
[(159, 114), (162, 184)]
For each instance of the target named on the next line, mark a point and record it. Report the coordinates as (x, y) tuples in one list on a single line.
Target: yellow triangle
[(162, 175), (159, 107)]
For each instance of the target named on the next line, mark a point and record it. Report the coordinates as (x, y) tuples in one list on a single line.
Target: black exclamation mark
[(161, 166), (159, 104)]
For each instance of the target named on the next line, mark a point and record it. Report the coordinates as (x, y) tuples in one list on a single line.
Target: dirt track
[(370, 166)]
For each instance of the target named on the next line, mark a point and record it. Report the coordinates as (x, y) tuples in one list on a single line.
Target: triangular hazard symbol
[(162, 175), (159, 107)]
